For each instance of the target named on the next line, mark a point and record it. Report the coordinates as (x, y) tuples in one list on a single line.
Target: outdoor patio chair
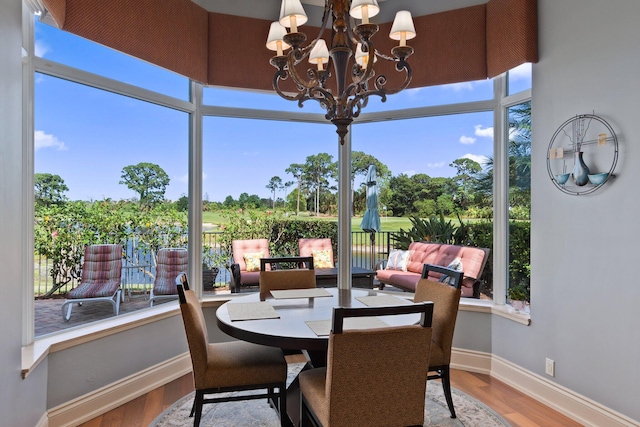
[(235, 366), (320, 249), (355, 389), (446, 298), (100, 279), (170, 262), (245, 270), (301, 276)]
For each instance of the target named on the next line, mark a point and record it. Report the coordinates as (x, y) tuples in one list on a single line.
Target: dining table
[(301, 319)]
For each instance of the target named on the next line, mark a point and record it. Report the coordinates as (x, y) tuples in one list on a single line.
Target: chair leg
[(198, 402), (446, 386), (284, 417)]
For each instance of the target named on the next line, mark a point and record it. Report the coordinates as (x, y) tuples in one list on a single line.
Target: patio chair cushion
[(322, 258), (94, 289), (252, 260), (101, 272), (170, 263)]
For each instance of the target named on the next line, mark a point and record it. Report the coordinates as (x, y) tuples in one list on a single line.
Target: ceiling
[(270, 9)]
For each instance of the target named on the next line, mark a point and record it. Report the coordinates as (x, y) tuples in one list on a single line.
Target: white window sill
[(34, 353)]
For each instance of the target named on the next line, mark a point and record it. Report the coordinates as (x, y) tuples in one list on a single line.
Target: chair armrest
[(381, 264), (235, 278)]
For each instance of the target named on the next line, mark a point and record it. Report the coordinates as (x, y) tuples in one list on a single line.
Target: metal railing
[(138, 269)]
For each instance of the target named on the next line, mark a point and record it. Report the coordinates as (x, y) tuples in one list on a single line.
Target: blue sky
[(87, 136)]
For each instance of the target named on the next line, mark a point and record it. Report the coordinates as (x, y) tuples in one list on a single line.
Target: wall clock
[(582, 155)]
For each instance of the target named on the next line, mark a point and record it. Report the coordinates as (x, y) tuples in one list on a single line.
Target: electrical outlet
[(550, 367)]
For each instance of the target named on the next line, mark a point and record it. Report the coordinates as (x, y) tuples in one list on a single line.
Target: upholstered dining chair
[(355, 389), (446, 298), (235, 366), (245, 270), (170, 262), (100, 279), (301, 276), (320, 249)]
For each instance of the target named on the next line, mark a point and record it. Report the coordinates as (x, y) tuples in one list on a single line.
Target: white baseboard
[(43, 421), (94, 404), (573, 405), (567, 402)]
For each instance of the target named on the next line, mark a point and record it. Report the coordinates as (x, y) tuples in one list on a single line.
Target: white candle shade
[(402, 28), (319, 54), (292, 14), (364, 9), (362, 58), (274, 39)]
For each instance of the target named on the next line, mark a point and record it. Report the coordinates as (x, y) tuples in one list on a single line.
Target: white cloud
[(40, 48), (409, 172), (459, 87), (481, 159), (485, 133), (45, 140), (467, 140)]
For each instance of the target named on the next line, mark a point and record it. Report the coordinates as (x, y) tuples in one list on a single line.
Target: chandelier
[(355, 80)]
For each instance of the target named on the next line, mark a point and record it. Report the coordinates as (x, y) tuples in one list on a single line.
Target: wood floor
[(517, 408)]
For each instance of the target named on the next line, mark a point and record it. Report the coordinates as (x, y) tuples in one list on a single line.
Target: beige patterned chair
[(235, 366), (355, 389), (446, 299), (300, 276)]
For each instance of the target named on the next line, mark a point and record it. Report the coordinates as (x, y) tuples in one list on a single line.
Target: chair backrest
[(446, 300), (301, 276), (102, 264), (195, 328), (320, 249), (356, 381), (169, 263), (448, 275), (240, 248)]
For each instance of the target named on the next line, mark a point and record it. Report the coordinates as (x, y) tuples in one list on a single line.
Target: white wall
[(14, 391), (584, 295)]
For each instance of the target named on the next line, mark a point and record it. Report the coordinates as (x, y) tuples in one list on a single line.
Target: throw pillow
[(252, 260), (456, 265), (322, 258), (398, 260)]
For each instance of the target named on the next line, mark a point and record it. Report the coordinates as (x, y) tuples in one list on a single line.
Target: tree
[(318, 169), (467, 171), (49, 189), (149, 180), (275, 184), (297, 169)]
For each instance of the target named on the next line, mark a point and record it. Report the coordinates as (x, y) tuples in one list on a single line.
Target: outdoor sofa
[(403, 268)]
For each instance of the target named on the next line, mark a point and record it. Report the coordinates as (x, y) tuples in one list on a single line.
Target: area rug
[(258, 413)]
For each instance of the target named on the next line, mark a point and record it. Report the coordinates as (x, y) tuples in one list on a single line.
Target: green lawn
[(388, 224)]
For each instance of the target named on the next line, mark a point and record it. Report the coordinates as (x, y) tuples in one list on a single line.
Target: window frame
[(499, 104)]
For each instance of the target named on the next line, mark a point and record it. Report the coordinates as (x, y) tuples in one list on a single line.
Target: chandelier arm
[(368, 71)]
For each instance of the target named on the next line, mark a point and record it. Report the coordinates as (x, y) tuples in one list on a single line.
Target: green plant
[(434, 229), (213, 258), (519, 291)]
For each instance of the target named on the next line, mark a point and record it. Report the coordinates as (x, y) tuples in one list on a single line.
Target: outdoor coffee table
[(360, 277)]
